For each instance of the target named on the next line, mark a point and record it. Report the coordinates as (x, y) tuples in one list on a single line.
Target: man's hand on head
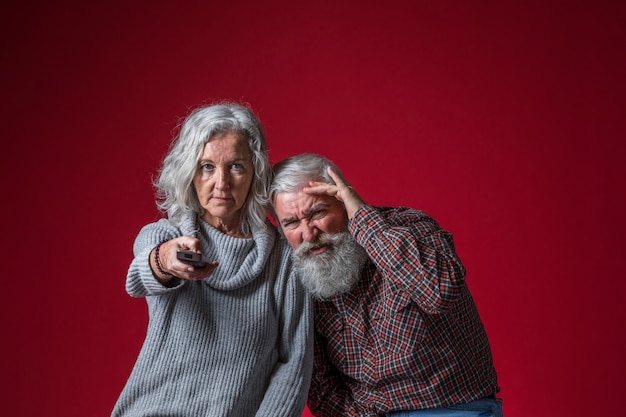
[(340, 190)]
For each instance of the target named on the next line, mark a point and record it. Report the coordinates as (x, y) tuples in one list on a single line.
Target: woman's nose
[(222, 181)]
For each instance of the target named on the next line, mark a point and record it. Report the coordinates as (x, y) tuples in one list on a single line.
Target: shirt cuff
[(364, 222)]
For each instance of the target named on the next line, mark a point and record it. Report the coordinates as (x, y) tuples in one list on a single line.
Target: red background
[(503, 119)]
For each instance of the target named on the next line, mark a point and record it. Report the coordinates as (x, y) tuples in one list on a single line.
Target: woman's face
[(222, 181)]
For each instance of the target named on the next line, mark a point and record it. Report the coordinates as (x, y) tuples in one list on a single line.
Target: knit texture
[(236, 344)]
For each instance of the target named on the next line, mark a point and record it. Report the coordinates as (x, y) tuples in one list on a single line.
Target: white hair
[(175, 191)]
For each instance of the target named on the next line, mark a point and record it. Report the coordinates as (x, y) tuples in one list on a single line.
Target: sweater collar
[(241, 261)]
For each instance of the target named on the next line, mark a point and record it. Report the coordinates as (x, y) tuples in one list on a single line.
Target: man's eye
[(316, 215), (290, 225)]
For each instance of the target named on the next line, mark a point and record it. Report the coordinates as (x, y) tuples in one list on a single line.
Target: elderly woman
[(230, 336)]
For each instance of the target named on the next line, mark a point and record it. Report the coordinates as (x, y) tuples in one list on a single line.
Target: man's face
[(327, 257), (303, 217)]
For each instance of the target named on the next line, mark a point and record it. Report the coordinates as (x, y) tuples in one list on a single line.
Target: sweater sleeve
[(410, 248), (140, 280), (287, 391)]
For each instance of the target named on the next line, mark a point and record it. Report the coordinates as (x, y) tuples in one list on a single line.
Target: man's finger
[(336, 177)]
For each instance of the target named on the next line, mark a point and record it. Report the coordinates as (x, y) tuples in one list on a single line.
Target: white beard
[(334, 271)]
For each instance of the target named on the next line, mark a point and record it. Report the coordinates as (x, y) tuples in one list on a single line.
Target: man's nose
[(309, 232)]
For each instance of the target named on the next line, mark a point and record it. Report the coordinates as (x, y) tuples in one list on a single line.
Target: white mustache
[(322, 240)]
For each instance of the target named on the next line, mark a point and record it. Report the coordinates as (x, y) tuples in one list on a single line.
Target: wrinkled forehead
[(298, 204)]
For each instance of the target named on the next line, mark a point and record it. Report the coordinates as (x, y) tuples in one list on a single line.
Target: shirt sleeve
[(140, 280), (409, 248)]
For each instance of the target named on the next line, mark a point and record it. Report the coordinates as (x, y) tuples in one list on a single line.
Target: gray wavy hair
[(175, 192)]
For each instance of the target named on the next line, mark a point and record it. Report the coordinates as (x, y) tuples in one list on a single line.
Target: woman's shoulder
[(163, 224)]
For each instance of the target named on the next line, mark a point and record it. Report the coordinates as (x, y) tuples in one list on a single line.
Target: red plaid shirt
[(408, 335)]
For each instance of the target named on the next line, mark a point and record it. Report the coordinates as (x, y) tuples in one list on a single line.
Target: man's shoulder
[(401, 211)]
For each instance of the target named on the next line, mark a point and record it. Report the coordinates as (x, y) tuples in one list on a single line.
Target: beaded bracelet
[(157, 260)]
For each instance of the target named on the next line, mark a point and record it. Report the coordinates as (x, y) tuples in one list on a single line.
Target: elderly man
[(397, 332)]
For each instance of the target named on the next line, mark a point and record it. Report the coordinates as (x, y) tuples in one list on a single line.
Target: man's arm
[(410, 248)]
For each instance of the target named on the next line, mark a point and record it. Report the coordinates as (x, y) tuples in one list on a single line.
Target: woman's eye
[(207, 167)]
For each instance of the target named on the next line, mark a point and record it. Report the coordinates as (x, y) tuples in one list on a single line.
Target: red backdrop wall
[(504, 120)]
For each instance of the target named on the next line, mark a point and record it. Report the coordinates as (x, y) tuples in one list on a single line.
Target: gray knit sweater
[(236, 344)]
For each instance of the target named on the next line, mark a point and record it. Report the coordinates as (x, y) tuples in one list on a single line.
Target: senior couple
[(352, 309)]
